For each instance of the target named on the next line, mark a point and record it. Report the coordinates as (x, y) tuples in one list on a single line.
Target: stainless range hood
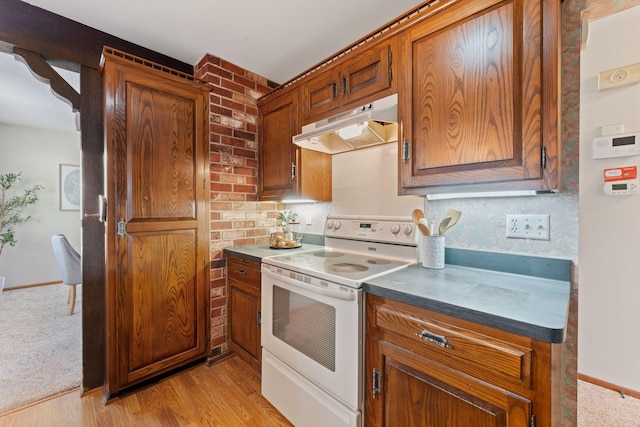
[(371, 124)]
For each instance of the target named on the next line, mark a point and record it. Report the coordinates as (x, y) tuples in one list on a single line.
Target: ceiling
[(277, 39)]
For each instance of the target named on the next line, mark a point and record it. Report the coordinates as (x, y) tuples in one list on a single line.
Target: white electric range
[(313, 319)]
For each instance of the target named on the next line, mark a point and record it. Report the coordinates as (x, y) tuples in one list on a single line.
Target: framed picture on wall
[(69, 187)]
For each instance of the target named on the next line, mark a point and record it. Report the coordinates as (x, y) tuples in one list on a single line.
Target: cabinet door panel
[(465, 76), (475, 104), (243, 310), (416, 399), (320, 95), (278, 124), (363, 78)]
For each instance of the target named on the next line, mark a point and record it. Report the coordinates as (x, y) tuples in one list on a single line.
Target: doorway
[(38, 134)]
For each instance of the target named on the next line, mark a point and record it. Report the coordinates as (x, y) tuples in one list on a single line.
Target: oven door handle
[(316, 289)]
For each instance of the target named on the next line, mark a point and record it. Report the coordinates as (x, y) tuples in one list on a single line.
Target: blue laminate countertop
[(535, 307), (528, 296), (257, 252)]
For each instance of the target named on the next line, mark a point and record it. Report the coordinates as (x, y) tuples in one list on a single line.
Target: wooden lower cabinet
[(427, 369), (243, 290)]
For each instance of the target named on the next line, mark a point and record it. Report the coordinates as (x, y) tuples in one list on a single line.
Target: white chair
[(68, 261)]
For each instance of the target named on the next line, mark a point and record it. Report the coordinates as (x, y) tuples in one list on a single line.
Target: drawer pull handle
[(441, 340), (241, 271)]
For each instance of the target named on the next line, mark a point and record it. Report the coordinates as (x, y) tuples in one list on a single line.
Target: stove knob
[(337, 225), (329, 224), (408, 229), (395, 228)]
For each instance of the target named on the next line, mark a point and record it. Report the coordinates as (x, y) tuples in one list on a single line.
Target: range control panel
[(399, 230)]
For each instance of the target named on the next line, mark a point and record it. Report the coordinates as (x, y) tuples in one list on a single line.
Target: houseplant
[(12, 209)]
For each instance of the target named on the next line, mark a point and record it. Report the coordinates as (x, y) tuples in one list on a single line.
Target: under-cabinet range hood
[(370, 124)]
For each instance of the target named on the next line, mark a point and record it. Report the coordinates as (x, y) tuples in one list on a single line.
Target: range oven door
[(316, 329)]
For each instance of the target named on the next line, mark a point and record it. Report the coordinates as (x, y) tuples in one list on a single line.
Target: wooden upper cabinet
[(276, 152), (365, 77), (478, 98), (285, 170)]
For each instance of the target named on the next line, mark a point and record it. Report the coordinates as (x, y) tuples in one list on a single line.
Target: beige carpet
[(40, 344), (601, 407)]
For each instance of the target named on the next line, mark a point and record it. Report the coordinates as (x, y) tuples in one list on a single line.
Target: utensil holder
[(432, 251)]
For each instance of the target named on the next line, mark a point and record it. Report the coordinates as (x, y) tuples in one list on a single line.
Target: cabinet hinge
[(376, 382), (390, 67), (543, 161), (532, 421), (122, 227), (259, 317), (293, 171), (406, 150)]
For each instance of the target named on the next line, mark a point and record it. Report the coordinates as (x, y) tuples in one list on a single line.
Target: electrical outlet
[(520, 226)]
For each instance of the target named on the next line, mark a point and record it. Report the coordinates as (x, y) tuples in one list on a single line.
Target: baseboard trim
[(610, 386), (33, 285), (212, 360)]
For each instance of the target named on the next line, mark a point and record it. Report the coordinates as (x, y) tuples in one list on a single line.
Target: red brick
[(243, 242), (221, 225), (211, 79), (221, 72), (252, 163), (250, 109), (222, 168), (216, 312), (221, 187), (220, 206), (252, 127), (244, 99), (264, 89), (214, 99), (222, 92), (244, 224), (223, 130), (218, 341), (222, 111), (244, 135), (232, 197), (244, 171), (236, 142), (244, 153), (222, 149), (234, 87), (218, 302), (244, 81), (225, 102), (244, 188), (232, 67)]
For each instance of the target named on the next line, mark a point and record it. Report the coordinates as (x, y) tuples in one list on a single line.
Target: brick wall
[(237, 218)]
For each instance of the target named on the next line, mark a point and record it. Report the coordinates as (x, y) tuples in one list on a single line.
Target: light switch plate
[(522, 226)]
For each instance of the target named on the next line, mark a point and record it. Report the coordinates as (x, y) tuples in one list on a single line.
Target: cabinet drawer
[(244, 271), (473, 353)]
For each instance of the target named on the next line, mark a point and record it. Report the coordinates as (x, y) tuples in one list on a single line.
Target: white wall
[(609, 299), (38, 154)]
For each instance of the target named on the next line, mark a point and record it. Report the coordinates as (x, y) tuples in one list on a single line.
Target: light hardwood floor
[(226, 394)]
